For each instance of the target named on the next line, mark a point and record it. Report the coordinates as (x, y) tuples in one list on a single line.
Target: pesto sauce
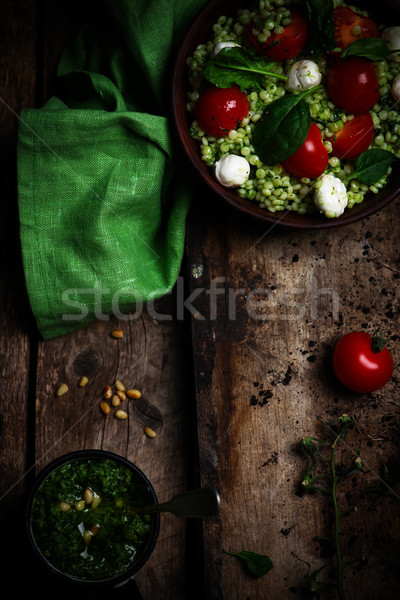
[(121, 533)]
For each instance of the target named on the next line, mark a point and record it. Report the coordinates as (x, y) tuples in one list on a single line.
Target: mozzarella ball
[(303, 75), (219, 45), (391, 35), (232, 171), (331, 198)]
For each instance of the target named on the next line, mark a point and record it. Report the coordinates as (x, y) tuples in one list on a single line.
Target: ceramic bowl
[(387, 12)]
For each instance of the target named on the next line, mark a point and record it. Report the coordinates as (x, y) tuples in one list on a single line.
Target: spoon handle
[(198, 503)]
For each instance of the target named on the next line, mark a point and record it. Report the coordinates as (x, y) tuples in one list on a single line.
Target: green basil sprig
[(258, 564), (371, 48), (235, 65), (283, 127), (372, 165), (321, 26)]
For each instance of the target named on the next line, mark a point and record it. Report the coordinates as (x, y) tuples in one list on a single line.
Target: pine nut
[(87, 536), (96, 500), (121, 414), (88, 496), (105, 408), (121, 395), (117, 334), (64, 506), (62, 389), (115, 401), (107, 392), (80, 505), (150, 432), (120, 386), (134, 394), (83, 381)]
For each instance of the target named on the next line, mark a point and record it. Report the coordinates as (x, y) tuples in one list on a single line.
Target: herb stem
[(340, 564)]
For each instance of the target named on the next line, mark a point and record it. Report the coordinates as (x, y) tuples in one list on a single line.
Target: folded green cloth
[(102, 203)]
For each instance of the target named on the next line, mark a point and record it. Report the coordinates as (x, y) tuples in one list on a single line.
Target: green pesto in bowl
[(83, 521)]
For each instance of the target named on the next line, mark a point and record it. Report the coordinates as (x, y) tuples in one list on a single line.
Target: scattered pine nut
[(117, 334), (64, 506), (62, 389), (83, 381), (107, 392), (121, 414), (105, 407), (134, 394), (150, 432), (121, 395), (87, 536), (119, 386), (115, 401)]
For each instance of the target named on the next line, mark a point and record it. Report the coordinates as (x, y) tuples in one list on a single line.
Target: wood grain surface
[(234, 368), (152, 356), (262, 346)]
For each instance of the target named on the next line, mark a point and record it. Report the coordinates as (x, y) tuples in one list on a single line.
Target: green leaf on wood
[(258, 564)]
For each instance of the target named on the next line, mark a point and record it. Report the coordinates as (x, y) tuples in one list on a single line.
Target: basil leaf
[(258, 564), (321, 26), (372, 165), (237, 66), (282, 129), (371, 48)]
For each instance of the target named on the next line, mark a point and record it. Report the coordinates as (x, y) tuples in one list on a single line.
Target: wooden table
[(234, 369)]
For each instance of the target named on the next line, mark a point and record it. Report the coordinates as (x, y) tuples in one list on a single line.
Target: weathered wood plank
[(150, 357), (263, 378), (17, 89)]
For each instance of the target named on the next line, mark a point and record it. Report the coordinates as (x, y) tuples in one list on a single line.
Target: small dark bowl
[(144, 552), (387, 12)]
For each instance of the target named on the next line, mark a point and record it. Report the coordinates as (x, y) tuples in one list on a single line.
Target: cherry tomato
[(355, 137), (311, 159), (360, 366), (281, 46), (219, 110), (352, 85), (350, 27)]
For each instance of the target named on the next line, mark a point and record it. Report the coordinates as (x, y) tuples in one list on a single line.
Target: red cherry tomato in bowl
[(360, 366), (281, 46), (353, 85), (355, 137), (351, 26), (311, 159), (219, 110)]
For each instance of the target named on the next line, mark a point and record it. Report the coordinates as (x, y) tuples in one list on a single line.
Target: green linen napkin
[(102, 201)]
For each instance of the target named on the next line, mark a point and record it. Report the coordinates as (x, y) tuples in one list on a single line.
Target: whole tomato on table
[(285, 45), (361, 362)]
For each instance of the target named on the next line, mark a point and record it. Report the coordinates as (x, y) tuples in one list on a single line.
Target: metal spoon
[(193, 504)]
